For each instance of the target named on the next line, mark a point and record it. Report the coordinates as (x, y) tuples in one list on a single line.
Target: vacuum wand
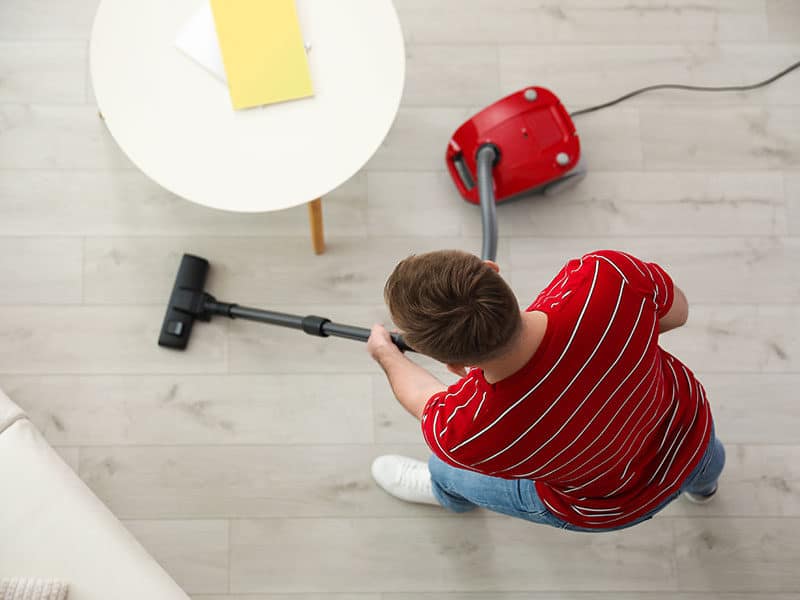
[(189, 302), (310, 324)]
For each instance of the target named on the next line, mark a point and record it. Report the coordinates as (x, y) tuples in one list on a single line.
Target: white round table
[(176, 123)]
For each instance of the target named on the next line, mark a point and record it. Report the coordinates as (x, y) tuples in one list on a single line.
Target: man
[(568, 413)]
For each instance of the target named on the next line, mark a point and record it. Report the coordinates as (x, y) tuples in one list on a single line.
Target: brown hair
[(452, 306)]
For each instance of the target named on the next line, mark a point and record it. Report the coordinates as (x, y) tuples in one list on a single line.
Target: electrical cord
[(694, 88)]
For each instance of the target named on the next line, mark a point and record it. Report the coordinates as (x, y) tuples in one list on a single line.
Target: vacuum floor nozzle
[(189, 302), (185, 302)]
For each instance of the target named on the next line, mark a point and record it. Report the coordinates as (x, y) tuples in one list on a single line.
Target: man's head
[(453, 306)]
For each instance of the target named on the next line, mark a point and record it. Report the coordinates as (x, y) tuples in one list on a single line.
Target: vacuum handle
[(400, 342), (311, 324), (360, 334)]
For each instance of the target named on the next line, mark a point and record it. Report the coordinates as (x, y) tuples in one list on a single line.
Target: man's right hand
[(380, 344)]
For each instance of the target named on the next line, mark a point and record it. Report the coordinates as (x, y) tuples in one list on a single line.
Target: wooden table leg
[(317, 230)]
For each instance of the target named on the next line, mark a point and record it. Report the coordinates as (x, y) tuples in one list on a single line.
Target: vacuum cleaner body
[(537, 147)]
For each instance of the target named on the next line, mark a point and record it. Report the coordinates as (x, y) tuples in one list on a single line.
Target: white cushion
[(53, 526)]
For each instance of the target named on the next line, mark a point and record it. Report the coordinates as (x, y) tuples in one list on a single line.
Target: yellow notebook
[(262, 50)]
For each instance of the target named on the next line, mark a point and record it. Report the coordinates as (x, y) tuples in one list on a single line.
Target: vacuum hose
[(487, 156)]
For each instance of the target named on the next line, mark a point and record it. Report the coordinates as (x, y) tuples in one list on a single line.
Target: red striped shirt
[(605, 422)]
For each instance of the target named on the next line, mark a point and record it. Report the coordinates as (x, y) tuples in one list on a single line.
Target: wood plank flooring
[(243, 464)]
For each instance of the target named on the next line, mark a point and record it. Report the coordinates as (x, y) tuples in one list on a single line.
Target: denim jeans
[(460, 490)]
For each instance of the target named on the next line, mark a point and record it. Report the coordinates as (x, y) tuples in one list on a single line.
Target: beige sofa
[(53, 527)]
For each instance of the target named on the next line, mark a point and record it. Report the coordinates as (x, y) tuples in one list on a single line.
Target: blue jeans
[(460, 490)]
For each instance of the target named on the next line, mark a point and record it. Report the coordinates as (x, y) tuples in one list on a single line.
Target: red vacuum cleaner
[(523, 144), (526, 143)]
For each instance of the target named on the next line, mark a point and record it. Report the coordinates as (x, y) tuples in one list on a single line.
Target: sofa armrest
[(10, 413), (53, 526)]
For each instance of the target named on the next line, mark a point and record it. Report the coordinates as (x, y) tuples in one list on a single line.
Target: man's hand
[(411, 384), (380, 344)]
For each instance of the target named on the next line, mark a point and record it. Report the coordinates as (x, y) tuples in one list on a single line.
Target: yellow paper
[(262, 50)]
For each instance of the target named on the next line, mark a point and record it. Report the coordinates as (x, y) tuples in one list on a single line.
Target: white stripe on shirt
[(688, 381), (665, 492), (674, 412), (622, 485), (644, 441), (623, 448), (561, 395), (608, 513), (613, 264), (554, 288), (597, 412), (475, 416), (460, 406), (436, 439), (620, 430), (667, 453), (553, 510), (635, 430), (653, 281), (633, 262), (587, 509), (680, 444), (663, 281), (599, 435)]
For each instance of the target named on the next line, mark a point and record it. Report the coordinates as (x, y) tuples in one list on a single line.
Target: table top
[(175, 121)]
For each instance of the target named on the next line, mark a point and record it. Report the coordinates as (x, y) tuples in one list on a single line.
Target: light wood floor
[(243, 464)]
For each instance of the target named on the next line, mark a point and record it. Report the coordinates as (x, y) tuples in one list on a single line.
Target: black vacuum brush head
[(185, 302)]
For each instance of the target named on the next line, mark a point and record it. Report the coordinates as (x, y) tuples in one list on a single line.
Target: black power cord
[(693, 88)]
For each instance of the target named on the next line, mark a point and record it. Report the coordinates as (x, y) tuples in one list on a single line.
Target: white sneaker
[(404, 478), (698, 499)]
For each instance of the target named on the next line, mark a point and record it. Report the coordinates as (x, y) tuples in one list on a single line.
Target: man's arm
[(678, 312), (412, 385)]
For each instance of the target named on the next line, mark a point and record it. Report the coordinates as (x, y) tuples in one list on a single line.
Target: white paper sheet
[(198, 40)]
